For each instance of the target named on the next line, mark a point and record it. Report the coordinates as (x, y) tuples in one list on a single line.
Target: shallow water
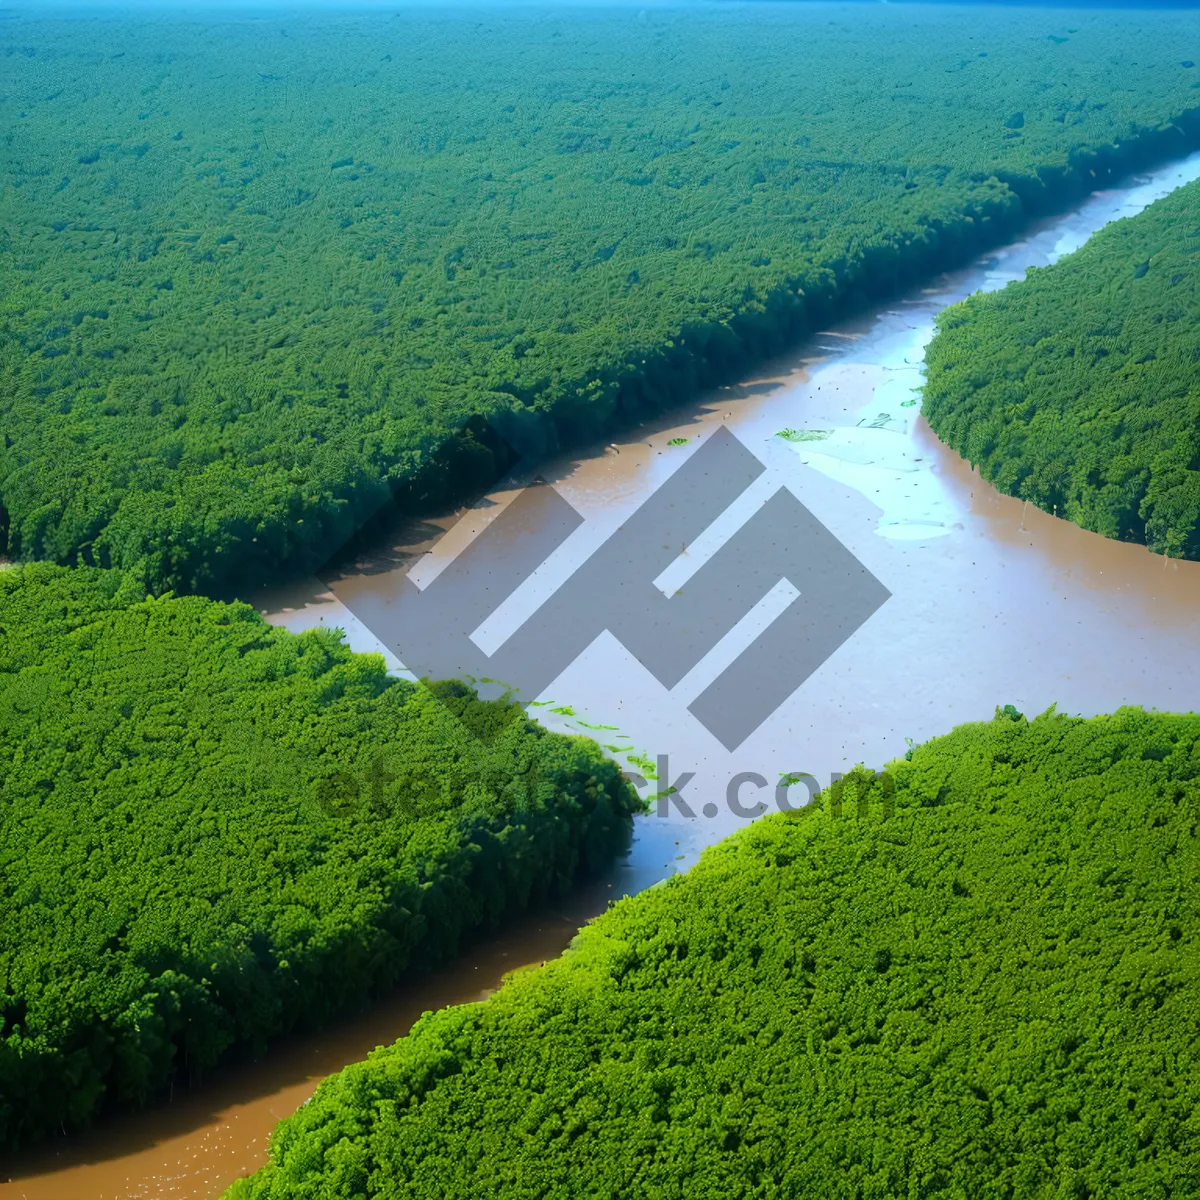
[(991, 603), (206, 1138)]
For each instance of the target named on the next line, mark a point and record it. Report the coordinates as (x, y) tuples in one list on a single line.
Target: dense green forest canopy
[(212, 830), (1078, 388), (994, 991), (255, 273)]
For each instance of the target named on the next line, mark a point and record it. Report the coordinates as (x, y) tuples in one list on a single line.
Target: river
[(991, 603)]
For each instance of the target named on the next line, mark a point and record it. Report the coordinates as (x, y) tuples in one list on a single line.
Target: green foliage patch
[(987, 986), (213, 831), (1078, 388), (257, 277)]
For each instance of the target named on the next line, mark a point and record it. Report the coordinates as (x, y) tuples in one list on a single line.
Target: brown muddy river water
[(991, 603)]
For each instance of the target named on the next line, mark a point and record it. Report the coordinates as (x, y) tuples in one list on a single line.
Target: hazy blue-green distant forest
[(1079, 387), (259, 275), (213, 831), (988, 986)]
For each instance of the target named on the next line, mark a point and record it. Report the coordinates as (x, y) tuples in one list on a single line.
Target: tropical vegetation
[(213, 831), (984, 982), (1078, 388), (262, 278)]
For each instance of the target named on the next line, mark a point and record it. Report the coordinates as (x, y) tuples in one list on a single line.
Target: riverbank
[(651, 381), (214, 832), (928, 990), (387, 283), (1076, 388), (1019, 604), (1016, 597), (193, 1147)]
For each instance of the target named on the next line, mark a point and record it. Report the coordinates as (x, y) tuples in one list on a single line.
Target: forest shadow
[(394, 541)]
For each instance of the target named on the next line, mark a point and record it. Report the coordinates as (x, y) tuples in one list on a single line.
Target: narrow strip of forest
[(254, 294), (986, 982), (213, 831), (1078, 388)]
